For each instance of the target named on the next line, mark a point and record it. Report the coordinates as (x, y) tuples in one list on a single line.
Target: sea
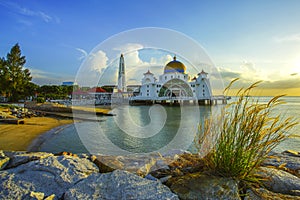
[(146, 129)]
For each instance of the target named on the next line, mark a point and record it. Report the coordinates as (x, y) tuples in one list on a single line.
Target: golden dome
[(174, 66)]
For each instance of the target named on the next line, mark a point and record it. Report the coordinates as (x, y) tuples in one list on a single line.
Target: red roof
[(96, 90)]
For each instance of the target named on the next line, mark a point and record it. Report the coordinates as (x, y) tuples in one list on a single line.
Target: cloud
[(41, 77), (131, 53), (287, 83), (21, 10), (97, 61), (227, 74), (248, 67), (249, 74), (288, 38), (129, 47), (93, 68)]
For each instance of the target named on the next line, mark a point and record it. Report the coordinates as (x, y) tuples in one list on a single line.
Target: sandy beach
[(19, 137)]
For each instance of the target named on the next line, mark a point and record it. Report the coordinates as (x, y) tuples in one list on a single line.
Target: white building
[(174, 85)]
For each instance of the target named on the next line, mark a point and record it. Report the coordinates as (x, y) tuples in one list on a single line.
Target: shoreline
[(20, 137), (36, 143)]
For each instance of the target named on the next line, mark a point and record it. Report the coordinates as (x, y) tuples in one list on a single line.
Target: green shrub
[(244, 134), (40, 100)]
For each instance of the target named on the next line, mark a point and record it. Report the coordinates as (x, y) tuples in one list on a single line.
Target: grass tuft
[(244, 134)]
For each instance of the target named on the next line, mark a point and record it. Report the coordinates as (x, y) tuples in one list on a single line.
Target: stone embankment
[(173, 175), (19, 113)]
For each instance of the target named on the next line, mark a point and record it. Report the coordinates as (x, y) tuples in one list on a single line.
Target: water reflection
[(135, 129)]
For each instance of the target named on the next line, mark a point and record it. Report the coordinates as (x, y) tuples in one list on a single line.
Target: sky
[(251, 40)]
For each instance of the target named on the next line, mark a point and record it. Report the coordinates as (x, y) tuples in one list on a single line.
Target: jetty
[(12, 121), (214, 100)]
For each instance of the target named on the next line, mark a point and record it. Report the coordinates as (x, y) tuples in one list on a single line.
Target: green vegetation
[(54, 92), (14, 79), (244, 135), (8, 106)]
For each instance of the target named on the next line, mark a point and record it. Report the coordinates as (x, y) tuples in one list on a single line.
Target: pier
[(215, 100)]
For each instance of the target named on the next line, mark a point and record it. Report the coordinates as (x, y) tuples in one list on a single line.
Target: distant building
[(68, 83), (121, 76), (95, 95), (174, 85)]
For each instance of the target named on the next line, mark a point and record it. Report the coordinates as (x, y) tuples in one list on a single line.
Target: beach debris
[(16, 115)]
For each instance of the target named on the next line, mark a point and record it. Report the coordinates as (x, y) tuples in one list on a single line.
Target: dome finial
[(174, 57)]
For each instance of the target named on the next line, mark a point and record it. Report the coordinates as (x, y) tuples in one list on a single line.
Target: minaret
[(121, 77)]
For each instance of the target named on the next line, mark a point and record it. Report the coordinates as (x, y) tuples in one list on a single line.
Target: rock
[(178, 165), (199, 186), (19, 158), (3, 162), (174, 153), (280, 181), (291, 153), (140, 164), (118, 185), (51, 197), (262, 194), (150, 177), (165, 179), (285, 159), (37, 195), (51, 175)]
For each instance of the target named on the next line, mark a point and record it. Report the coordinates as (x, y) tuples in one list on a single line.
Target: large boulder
[(140, 164), (200, 186), (21, 157), (280, 181), (46, 177), (118, 185)]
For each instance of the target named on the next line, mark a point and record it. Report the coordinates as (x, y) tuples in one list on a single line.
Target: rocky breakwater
[(173, 175), (40, 175), (14, 113)]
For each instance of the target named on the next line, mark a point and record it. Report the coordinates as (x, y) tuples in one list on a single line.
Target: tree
[(17, 78), (31, 90), (4, 77)]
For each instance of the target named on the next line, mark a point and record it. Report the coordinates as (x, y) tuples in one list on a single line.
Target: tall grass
[(244, 134)]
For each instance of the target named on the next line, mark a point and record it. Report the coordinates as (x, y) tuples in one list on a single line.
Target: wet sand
[(19, 137)]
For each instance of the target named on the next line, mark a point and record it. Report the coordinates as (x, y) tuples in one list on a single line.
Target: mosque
[(173, 87)]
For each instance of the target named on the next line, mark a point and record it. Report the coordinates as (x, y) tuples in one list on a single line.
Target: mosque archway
[(175, 88)]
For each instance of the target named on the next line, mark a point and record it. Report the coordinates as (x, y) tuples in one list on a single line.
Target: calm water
[(143, 129)]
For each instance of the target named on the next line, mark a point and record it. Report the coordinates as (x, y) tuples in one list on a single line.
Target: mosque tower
[(121, 78)]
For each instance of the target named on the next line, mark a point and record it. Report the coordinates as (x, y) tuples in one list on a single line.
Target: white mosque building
[(174, 86)]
